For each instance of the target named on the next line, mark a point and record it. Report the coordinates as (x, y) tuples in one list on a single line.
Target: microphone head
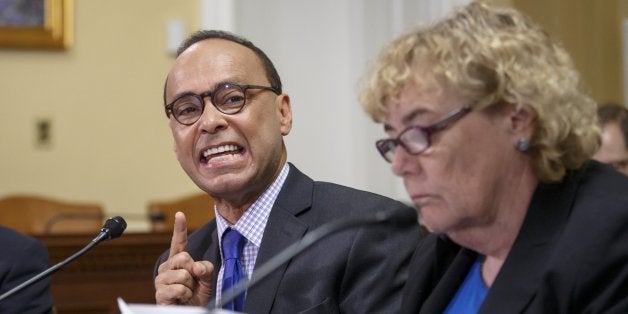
[(114, 227)]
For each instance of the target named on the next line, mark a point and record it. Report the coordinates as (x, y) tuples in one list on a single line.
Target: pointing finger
[(179, 240)]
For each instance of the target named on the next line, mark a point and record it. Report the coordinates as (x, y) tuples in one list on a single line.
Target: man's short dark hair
[(271, 72), (614, 113)]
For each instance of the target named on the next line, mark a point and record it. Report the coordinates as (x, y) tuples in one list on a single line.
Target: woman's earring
[(522, 144)]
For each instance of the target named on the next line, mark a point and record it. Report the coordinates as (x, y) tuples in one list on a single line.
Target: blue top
[(471, 293)]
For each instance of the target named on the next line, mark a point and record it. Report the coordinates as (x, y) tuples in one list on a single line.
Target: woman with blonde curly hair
[(489, 128)]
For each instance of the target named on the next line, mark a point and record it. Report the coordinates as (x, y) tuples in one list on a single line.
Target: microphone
[(400, 217), (113, 228)]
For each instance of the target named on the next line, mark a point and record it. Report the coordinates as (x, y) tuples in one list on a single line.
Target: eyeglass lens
[(414, 140), (228, 99)]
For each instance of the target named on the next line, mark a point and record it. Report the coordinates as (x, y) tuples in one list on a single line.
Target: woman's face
[(457, 182)]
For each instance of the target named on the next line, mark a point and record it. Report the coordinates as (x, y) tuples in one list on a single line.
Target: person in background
[(228, 116), (614, 147), (23, 257), (489, 128)]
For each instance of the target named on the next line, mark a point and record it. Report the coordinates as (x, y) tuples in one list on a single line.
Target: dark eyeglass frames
[(416, 139), (228, 98)]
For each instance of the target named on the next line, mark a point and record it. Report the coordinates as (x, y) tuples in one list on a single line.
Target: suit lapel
[(523, 270), (206, 237), (282, 229), (213, 254), (451, 280)]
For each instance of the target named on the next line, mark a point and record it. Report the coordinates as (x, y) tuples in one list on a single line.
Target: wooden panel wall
[(119, 268), (591, 32)]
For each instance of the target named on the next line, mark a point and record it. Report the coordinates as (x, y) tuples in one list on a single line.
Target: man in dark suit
[(228, 116), (22, 258)]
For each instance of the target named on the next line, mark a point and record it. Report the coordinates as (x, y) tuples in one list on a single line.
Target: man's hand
[(181, 280)]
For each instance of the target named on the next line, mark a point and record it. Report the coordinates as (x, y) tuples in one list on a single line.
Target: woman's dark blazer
[(571, 254)]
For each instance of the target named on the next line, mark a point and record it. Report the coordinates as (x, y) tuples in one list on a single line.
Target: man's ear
[(285, 113)]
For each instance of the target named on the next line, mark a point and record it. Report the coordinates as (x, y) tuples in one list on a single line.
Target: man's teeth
[(220, 149)]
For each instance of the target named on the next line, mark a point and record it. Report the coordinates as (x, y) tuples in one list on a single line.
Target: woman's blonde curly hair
[(495, 57)]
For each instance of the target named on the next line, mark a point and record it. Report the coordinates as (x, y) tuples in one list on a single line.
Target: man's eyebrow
[(180, 94), (210, 88)]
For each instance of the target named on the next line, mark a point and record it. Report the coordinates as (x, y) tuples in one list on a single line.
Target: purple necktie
[(232, 246)]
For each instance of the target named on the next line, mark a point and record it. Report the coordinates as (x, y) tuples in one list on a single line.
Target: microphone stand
[(109, 231), (305, 242)]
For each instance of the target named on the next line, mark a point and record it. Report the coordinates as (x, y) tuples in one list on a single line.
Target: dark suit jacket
[(571, 254), (358, 270), (22, 258)]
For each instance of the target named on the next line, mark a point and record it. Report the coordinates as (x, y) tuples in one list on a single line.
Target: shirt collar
[(252, 224)]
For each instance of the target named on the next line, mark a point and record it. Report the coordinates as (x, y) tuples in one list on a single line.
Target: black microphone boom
[(401, 217), (113, 228)]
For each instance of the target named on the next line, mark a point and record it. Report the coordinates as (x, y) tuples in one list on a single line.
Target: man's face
[(613, 149), (232, 157)]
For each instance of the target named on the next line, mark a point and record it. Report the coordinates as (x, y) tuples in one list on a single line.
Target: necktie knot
[(232, 244)]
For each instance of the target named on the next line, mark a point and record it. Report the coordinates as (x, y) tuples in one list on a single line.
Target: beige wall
[(111, 143), (110, 139)]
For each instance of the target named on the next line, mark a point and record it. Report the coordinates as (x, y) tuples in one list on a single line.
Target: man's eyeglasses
[(416, 139), (228, 98)]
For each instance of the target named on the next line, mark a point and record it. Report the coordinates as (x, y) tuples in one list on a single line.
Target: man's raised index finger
[(179, 240)]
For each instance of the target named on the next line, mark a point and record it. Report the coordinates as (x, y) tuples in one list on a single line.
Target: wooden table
[(121, 267)]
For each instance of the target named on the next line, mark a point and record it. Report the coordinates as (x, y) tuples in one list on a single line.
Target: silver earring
[(522, 144)]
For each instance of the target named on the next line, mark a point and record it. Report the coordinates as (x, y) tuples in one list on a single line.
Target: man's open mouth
[(224, 152)]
